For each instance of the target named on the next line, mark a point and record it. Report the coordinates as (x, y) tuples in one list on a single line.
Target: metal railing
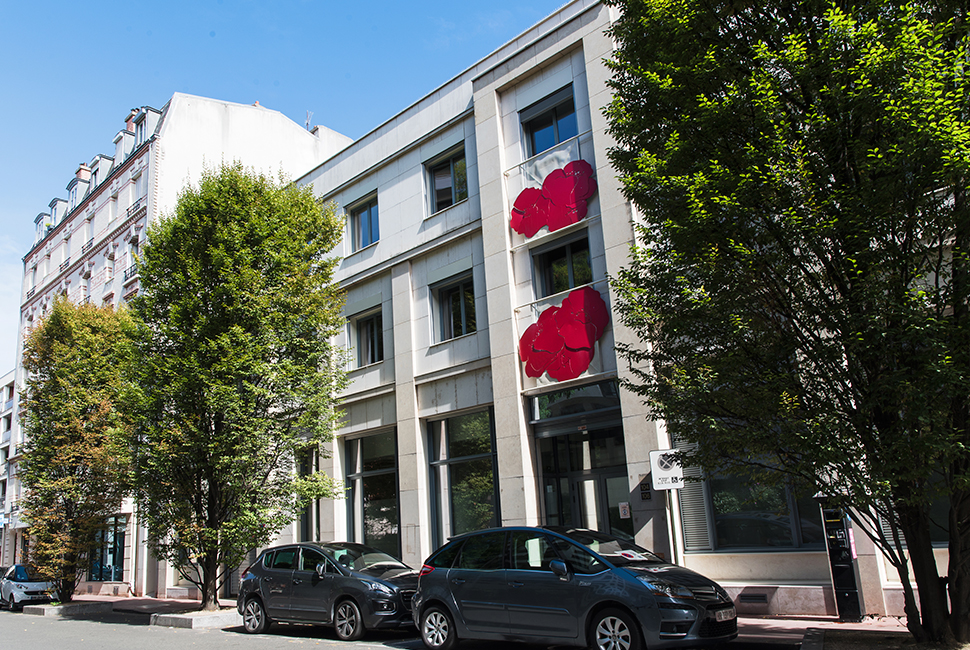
[(66, 263), (136, 206), (130, 272), (87, 246)]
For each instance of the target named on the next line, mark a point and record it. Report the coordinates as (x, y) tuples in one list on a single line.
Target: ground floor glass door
[(585, 481)]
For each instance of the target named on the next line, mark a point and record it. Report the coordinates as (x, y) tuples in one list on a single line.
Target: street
[(130, 631)]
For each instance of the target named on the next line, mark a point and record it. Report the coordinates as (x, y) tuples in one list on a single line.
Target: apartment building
[(483, 224), (85, 249)]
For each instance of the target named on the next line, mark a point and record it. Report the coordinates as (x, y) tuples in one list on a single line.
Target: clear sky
[(71, 71)]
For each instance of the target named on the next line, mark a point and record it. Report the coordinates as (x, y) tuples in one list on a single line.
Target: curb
[(68, 609), (197, 621)]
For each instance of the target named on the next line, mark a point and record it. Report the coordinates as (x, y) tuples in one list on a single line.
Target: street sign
[(666, 472)]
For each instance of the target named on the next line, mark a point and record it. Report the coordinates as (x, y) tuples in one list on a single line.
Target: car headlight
[(20, 587), (378, 587), (665, 588)]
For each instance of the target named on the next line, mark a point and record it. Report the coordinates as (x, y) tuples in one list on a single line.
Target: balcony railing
[(136, 206), (87, 246), (131, 272), (31, 292), (66, 263)]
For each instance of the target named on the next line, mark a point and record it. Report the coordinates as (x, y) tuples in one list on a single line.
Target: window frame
[(549, 106), (444, 323), (368, 206), (540, 271), (375, 336), (354, 478), (448, 160)]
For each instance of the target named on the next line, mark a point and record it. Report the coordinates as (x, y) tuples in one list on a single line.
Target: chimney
[(130, 120), (83, 173)]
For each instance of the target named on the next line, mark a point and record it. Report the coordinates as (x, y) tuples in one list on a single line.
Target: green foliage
[(800, 272), (238, 375), (75, 464)]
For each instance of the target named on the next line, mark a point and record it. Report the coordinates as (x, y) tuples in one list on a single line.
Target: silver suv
[(561, 586)]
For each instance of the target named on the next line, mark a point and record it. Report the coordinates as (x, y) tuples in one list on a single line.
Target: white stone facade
[(85, 248)]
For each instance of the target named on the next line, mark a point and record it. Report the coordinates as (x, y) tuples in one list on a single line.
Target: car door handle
[(516, 584), (458, 581), (297, 581)]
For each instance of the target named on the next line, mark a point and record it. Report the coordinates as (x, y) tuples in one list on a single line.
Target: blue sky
[(72, 70)]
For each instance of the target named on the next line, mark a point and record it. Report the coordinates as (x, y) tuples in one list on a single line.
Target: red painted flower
[(561, 201), (560, 342)]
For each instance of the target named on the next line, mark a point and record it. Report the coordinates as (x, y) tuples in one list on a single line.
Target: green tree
[(237, 376), (75, 468), (800, 276)]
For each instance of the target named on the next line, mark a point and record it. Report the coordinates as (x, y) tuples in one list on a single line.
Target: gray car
[(21, 585), (350, 586), (561, 586)]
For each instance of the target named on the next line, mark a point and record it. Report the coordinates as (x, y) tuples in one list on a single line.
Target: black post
[(843, 560)]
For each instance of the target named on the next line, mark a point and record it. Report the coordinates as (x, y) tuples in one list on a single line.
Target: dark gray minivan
[(562, 586)]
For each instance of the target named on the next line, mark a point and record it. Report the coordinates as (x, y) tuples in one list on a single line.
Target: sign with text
[(666, 472)]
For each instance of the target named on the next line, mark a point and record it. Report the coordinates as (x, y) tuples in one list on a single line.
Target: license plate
[(725, 614)]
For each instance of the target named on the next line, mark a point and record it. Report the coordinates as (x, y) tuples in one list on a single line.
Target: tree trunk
[(210, 573), (934, 617)]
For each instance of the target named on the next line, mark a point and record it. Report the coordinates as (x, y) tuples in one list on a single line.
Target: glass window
[(285, 558), (577, 559), (108, 557), (550, 121), (365, 229), (445, 558), (572, 401), (310, 558), (449, 182), (531, 551), (373, 510), (370, 339), (462, 473), (456, 308), (752, 515), (483, 552), (562, 268)]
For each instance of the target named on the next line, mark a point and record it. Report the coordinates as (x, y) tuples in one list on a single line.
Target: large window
[(372, 492), (562, 267), (550, 121), (364, 224), (456, 307), (463, 474), (108, 557), (370, 338), (449, 181)]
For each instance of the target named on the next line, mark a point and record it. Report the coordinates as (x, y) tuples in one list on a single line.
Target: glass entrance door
[(584, 480)]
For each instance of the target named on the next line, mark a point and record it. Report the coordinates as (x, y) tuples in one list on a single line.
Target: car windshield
[(360, 558), (618, 551), (26, 574)]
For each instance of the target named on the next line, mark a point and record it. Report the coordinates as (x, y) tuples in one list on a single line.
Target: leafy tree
[(74, 469), (800, 277), (238, 376)]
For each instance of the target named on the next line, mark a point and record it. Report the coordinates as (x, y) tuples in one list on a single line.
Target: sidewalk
[(813, 633)]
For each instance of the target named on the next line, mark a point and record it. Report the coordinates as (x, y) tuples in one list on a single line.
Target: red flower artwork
[(560, 202), (560, 342)]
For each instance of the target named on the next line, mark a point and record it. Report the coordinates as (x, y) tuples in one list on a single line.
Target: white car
[(20, 585)]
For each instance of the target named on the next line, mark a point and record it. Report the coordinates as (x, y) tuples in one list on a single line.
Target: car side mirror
[(558, 567)]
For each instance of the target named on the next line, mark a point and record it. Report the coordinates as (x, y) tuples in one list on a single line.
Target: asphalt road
[(131, 631)]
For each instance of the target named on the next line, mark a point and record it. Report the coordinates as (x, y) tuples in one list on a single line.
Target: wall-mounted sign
[(666, 471)]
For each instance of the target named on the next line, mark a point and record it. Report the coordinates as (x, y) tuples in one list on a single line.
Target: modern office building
[(483, 224), (85, 249)]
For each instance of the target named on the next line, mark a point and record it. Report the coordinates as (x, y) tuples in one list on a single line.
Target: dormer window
[(140, 129)]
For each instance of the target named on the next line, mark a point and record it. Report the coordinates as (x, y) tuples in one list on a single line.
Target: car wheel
[(12, 604), (255, 619), (347, 621), (614, 629), (437, 629)]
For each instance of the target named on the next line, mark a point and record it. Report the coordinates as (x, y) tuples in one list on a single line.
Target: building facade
[(85, 249), (483, 224)]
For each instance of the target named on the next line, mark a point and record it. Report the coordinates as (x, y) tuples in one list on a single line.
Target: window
[(550, 121), (562, 268), (483, 553), (449, 182), (108, 556), (364, 225), (462, 474), (370, 338), (309, 559), (456, 308), (531, 551), (372, 492), (285, 559)]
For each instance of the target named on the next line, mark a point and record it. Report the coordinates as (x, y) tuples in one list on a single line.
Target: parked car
[(565, 586), (20, 584), (350, 586)]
